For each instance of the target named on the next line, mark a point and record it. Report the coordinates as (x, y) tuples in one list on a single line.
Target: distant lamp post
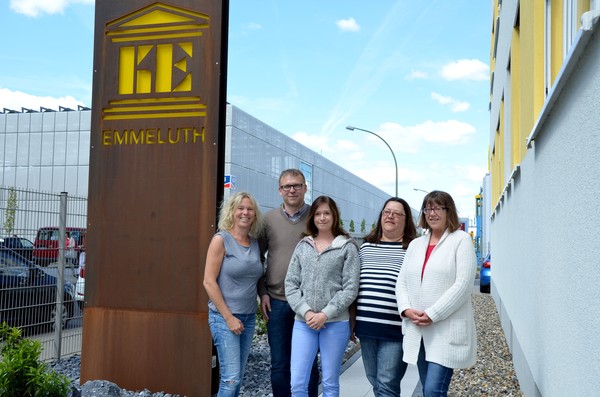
[(420, 190), (351, 128)]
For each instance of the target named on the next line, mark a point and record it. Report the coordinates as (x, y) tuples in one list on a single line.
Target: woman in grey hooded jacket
[(321, 284)]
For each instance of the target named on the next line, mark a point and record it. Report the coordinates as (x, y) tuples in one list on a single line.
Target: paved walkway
[(354, 383)]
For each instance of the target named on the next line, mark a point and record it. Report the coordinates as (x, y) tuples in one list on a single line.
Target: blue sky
[(414, 72)]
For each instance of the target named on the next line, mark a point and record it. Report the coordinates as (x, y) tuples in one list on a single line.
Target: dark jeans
[(435, 378), (279, 331), (383, 365)]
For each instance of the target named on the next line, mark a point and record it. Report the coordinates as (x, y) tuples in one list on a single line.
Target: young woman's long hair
[(336, 228), (410, 231)]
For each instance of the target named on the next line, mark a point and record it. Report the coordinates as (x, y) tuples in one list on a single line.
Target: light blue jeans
[(332, 341), (233, 351), (279, 330), (383, 365), (435, 378)]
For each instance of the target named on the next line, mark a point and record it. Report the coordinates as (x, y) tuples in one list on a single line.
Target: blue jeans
[(279, 332), (233, 351), (435, 378), (383, 365), (306, 342)]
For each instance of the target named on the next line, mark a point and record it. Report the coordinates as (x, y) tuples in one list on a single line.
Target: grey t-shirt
[(240, 270)]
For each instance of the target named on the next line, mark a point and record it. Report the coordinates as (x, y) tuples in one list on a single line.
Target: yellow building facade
[(543, 160)]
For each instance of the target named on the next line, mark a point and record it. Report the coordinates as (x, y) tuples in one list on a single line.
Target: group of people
[(406, 298)]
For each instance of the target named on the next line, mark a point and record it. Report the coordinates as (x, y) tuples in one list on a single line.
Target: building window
[(570, 25), (548, 48), (307, 170)]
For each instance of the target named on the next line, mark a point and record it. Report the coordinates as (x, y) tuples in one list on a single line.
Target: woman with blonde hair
[(233, 267)]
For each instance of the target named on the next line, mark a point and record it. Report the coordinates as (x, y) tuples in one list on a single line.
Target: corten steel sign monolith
[(156, 176)]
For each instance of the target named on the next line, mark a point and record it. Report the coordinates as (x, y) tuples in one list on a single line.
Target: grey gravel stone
[(492, 375), (100, 388)]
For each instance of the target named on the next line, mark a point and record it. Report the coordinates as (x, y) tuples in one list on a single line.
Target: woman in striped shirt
[(377, 321)]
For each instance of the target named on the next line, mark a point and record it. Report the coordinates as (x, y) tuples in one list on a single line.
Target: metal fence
[(42, 253)]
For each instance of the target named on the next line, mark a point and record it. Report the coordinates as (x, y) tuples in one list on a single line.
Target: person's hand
[(353, 337), (235, 325), (265, 306), (417, 317), (315, 321)]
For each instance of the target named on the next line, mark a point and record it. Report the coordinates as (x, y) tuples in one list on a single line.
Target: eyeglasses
[(287, 188), (434, 209), (392, 214)]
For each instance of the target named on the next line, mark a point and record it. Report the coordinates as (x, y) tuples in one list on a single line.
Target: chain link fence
[(42, 259)]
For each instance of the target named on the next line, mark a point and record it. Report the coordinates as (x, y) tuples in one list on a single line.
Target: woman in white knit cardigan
[(434, 296)]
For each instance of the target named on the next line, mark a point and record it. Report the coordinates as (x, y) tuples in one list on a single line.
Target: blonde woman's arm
[(214, 260)]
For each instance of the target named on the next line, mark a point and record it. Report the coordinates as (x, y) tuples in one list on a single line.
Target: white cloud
[(348, 25), (472, 172), (455, 104), (252, 26), (417, 74), (15, 100), (36, 8), (466, 69), (460, 106), (410, 139), (344, 144), (317, 143), (460, 180), (443, 100), (451, 132)]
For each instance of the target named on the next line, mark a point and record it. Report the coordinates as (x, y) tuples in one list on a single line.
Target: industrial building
[(48, 150)]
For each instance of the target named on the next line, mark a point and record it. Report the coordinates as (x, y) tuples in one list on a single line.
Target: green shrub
[(261, 324), (22, 374)]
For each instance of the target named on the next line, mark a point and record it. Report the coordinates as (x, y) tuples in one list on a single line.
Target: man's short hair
[(292, 172)]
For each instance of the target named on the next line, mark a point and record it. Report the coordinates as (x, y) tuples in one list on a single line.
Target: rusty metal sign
[(156, 176)]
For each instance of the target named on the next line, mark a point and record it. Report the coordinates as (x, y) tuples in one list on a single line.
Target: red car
[(45, 246)]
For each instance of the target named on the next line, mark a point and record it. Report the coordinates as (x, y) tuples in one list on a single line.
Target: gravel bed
[(257, 382), (492, 375)]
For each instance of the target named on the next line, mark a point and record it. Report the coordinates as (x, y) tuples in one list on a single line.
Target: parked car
[(28, 295), (485, 276), (45, 247), (20, 245)]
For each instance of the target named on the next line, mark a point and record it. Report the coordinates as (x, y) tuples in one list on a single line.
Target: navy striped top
[(377, 311)]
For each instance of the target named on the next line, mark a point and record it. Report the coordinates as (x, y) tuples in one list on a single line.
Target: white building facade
[(544, 155)]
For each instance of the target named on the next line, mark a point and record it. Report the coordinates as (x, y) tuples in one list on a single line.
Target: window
[(307, 170), (570, 25), (10, 267), (548, 48)]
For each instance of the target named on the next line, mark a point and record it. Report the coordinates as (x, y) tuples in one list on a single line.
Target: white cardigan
[(445, 295)]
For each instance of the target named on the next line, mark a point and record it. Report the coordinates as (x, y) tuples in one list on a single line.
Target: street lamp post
[(351, 128)]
